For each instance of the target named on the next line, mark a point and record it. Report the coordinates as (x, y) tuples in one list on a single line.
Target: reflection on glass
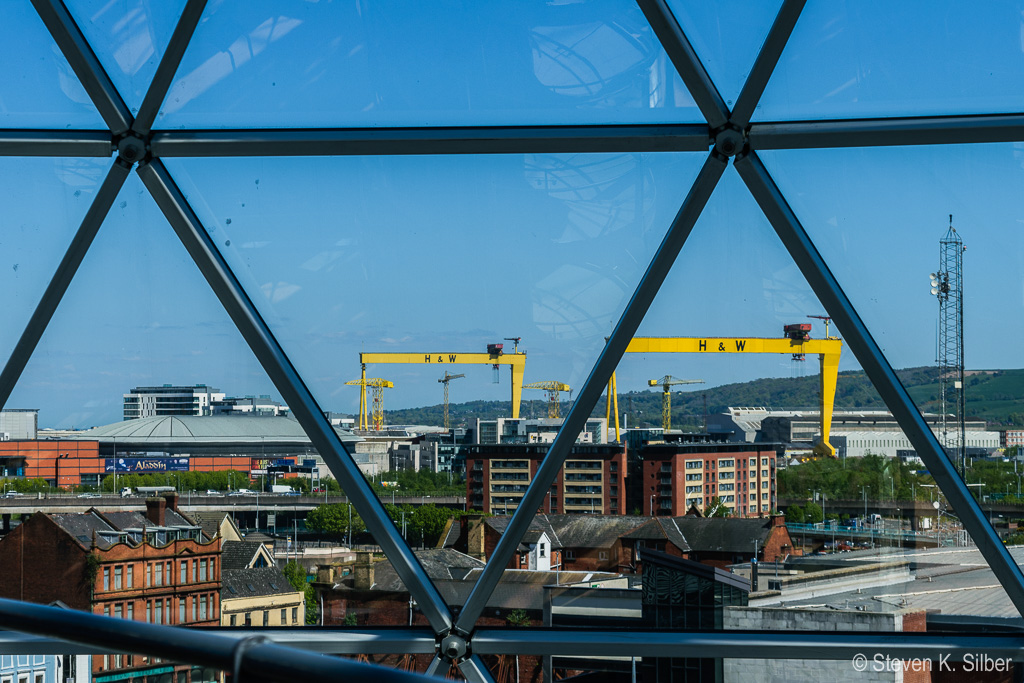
[(542, 64), (129, 39), (48, 199), (825, 72), (42, 91)]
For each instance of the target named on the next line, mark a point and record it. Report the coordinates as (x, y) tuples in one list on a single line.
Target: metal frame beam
[(85, 64), (55, 143), (62, 277), (686, 62), (168, 66), (463, 140), (766, 60), (743, 644), (275, 362), (887, 132), (881, 374), (254, 657), (705, 183)]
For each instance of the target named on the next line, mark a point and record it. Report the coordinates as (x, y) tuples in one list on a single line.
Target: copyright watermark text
[(968, 663)]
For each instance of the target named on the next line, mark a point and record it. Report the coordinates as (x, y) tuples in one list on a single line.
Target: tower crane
[(666, 383), (445, 380), (378, 385), (553, 388)]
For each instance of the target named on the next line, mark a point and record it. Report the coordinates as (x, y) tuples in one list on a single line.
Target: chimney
[(172, 500), (777, 520), (476, 537), (156, 509), (362, 572)]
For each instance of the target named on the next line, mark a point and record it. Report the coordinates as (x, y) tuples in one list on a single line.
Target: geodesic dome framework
[(729, 135)]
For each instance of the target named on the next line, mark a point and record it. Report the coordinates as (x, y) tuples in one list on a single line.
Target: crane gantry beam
[(827, 350), (494, 357), (666, 383)]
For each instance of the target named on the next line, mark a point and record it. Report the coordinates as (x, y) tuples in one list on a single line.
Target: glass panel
[(438, 258), (952, 59), (45, 202), (727, 48), (42, 91), (129, 38), (556, 63)]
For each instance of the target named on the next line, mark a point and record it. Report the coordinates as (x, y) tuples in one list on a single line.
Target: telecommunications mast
[(947, 287)]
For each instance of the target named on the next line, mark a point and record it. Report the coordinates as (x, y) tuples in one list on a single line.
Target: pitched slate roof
[(80, 526), (593, 531), (209, 521), (724, 534), (439, 563), (660, 528), (251, 583), (239, 554)]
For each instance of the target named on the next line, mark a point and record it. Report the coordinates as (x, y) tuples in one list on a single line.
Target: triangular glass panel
[(42, 91), (437, 258), (957, 59), (551, 63), (727, 48), (735, 289), (46, 201), (141, 379), (129, 38), (937, 302)]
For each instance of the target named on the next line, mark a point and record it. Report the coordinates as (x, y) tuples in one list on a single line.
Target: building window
[(149, 611), (284, 617), (202, 608), (602, 555), (40, 677), (181, 611), (149, 575), (195, 609), (158, 611), (158, 575), (106, 578), (106, 610), (184, 572), (295, 615), (266, 618), (764, 484), (764, 473), (130, 611), (202, 570), (118, 610), (118, 572), (543, 551), (570, 554), (130, 576), (764, 496), (213, 576), (234, 619)]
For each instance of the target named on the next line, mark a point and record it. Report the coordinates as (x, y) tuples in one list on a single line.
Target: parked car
[(212, 492)]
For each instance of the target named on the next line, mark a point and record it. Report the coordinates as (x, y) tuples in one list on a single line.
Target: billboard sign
[(145, 465)]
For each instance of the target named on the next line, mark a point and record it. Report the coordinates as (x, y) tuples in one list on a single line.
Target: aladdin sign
[(144, 465)]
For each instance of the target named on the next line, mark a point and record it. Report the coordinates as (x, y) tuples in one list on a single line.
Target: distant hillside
[(993, 395)]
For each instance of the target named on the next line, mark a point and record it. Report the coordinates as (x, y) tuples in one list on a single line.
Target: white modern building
[(169, 400)]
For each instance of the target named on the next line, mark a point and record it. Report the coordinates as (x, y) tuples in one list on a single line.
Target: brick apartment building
[(158, 567), (678, 476), (591, 481)]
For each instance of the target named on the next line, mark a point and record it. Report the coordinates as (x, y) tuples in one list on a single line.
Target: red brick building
[(676, 476), (157, 568), (592, 479)]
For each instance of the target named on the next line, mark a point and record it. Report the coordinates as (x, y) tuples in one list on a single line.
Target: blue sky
[(429, 254)]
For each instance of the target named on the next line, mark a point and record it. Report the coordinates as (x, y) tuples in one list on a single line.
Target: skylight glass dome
[(253, 194)]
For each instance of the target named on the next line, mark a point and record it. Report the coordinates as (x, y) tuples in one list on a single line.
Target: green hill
[(993, 395)]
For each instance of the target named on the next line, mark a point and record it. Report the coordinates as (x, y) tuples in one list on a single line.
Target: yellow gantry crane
[(796, 342), (378, 385), (666, 383), (553, 388), (494, 357), (445, 380)]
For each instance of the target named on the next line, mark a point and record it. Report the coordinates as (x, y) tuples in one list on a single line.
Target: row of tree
[(423, 523)]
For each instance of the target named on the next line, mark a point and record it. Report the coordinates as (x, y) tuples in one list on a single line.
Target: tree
[(333, 519), (794, 514), (296, 576), (716, 508), (812, 513)]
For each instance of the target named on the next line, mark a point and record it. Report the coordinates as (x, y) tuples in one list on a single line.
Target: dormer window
[(542, 550)]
